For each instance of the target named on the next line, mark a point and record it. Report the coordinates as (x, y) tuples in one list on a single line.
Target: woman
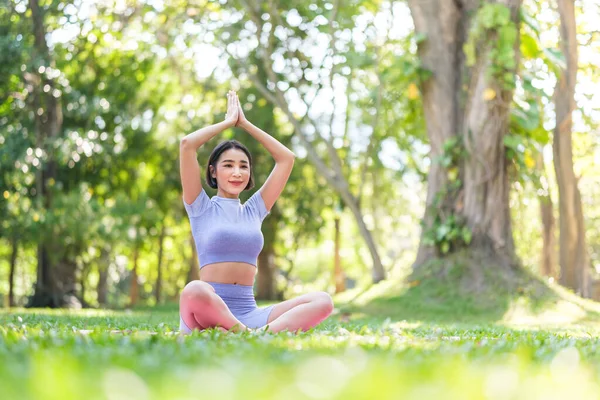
[(228, 237)]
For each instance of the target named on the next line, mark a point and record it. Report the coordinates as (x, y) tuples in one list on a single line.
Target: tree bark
[(157, 286), (548, 257), (440, 54), (454, 105), (573, 250), (102, 288), (265, 283), (134, 287), (82, 280), (11, 275), (48, 124), (378, 272), (338, 272), (64, 280), (194, 270)]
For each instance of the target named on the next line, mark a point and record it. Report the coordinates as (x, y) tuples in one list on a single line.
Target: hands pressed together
[(235, 115)]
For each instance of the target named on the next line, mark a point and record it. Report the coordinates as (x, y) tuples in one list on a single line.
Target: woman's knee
[(325, 302), (197, 292)]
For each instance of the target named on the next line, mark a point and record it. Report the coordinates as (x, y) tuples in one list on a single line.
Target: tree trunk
[(102, 289), (44, 294), (378, 272), (194, 271), (266, 288), (134, 287), (172, 279), (441, 54), (336, 180), (48, 123), (339, 278), (64, 280), (573, 250), (265, 282), (83, 278), (11, 275), (548, 256), (157, 287), (455, 107)]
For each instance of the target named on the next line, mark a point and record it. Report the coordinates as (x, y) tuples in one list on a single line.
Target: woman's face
[(233, 171)]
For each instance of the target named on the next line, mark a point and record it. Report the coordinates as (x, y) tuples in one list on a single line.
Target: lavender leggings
[(242, 304)]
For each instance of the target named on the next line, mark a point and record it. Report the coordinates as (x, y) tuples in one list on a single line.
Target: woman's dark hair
[(216, 154)]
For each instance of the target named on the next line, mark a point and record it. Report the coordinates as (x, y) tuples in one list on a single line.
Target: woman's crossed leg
[(300, 313), (200, 308)]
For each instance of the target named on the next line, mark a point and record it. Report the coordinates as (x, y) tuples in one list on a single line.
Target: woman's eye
[(245, 167)]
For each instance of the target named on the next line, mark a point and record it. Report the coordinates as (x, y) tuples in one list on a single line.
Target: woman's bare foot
[(234, 329)]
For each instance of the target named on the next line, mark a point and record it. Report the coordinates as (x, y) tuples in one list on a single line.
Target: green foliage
[(529, 21), (532, 47), (107, 151), (555, 60), (448, 231), (528, 135), (523, 152), (529, 46), (492, 24), (535, 50)]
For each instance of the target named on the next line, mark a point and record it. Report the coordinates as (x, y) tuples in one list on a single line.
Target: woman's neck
[(225, 195)]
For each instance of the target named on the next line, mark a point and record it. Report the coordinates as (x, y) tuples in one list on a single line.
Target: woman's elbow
[(184, 143), (287, 157)]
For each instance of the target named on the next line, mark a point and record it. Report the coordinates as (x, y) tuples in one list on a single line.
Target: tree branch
[(281, 102), (330, 147), (375, 122)]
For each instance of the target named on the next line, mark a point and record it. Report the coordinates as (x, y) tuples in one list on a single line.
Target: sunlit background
[(89, 184), (134, 77)]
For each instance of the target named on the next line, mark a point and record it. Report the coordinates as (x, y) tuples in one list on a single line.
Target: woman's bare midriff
[(238, 273)]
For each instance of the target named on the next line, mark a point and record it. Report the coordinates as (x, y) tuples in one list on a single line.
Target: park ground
[(406, 339)]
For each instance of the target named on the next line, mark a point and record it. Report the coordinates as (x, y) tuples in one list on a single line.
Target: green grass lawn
[(387, 342)]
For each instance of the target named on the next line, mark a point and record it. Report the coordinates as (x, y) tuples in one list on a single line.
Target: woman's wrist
[(243, 124), (228, 124)]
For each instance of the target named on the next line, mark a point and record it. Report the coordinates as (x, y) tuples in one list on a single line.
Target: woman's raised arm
[(189, 169), (284, 160)]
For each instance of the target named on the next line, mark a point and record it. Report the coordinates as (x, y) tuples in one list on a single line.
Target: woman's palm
[(232, 108), (241, 116)]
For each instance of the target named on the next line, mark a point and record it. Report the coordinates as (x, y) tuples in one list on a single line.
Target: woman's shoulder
[(199, 206)]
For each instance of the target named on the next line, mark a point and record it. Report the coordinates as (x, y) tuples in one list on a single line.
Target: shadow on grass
[(456, 291)]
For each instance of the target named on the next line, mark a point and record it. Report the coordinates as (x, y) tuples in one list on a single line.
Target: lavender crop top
[(225, 229)]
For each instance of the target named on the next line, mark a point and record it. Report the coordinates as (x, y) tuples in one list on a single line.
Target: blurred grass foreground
[(375, 346)]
